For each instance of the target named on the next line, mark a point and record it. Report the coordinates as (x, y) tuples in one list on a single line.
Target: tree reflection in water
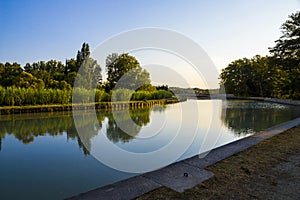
[(241, 117), (140, 117), (27, 127), (244, 117)]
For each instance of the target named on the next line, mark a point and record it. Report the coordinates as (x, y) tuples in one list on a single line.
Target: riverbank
[(215, 175), (265, 99), (98, 106), (268, 170), (232, 97)]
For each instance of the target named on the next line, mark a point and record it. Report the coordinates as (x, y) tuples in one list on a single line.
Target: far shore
[(233, 97), (119, 105)]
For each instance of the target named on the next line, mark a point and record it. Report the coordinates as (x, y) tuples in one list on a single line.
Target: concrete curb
[(184, 174)]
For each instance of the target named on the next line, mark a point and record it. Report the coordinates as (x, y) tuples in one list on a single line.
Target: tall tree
[(89, 71), (288, 45), (128, 68), (286, 53), (82, 55)]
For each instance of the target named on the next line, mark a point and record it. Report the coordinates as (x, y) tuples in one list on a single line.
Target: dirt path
[(269, 170)]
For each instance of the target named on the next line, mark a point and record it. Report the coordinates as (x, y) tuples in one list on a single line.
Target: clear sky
[(34, 30)]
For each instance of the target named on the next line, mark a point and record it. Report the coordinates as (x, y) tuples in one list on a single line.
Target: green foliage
[(126, 71), (287, 46), (147, 87), (88, 70), (161, 94), (146, 95), (82, 95), (102, 96), (53, 74), (275, 76), (247, 77), (141, 96), (286, 54), (16, 96), (121, 94), (10, 74), (52, 82)]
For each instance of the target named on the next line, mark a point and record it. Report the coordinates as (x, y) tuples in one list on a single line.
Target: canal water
[(58, 155)]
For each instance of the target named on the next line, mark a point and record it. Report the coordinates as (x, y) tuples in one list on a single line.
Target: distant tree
[(2, 69), (28, 68), (128, 68), (248, 77), (10, 74), (82, 55), (89, 74), (147, 87), (162, 87), (70, 71), (89, 71), (27, 80), (70, 66)]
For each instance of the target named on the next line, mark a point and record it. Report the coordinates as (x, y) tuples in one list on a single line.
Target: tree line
[(277, 75), (54, 82)]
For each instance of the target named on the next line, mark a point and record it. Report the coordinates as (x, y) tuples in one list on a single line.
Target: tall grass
[(155, 95), (15, 96)]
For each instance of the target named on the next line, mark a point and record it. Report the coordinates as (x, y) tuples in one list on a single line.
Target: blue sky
[(35, 30)]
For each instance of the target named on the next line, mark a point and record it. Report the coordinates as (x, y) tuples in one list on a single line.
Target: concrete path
[(181, 175)]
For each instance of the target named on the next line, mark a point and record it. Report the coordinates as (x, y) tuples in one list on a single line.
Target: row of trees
[(56, 75), (277, 75), (51, 74), (52, 82)]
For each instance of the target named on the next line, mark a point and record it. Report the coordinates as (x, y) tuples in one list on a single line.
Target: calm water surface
[(42, 156)]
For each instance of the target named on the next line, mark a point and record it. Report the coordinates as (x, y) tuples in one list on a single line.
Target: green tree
[(82, 55), (128, 68), (89, 71), (2, 70), (286, 54), (28, 80), (288, 45), (70, 71), (10, 74), (248, 77)]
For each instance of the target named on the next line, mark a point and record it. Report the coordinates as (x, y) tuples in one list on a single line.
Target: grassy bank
[(16, 96), (86, 106), (250, 174), (28, 100)]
